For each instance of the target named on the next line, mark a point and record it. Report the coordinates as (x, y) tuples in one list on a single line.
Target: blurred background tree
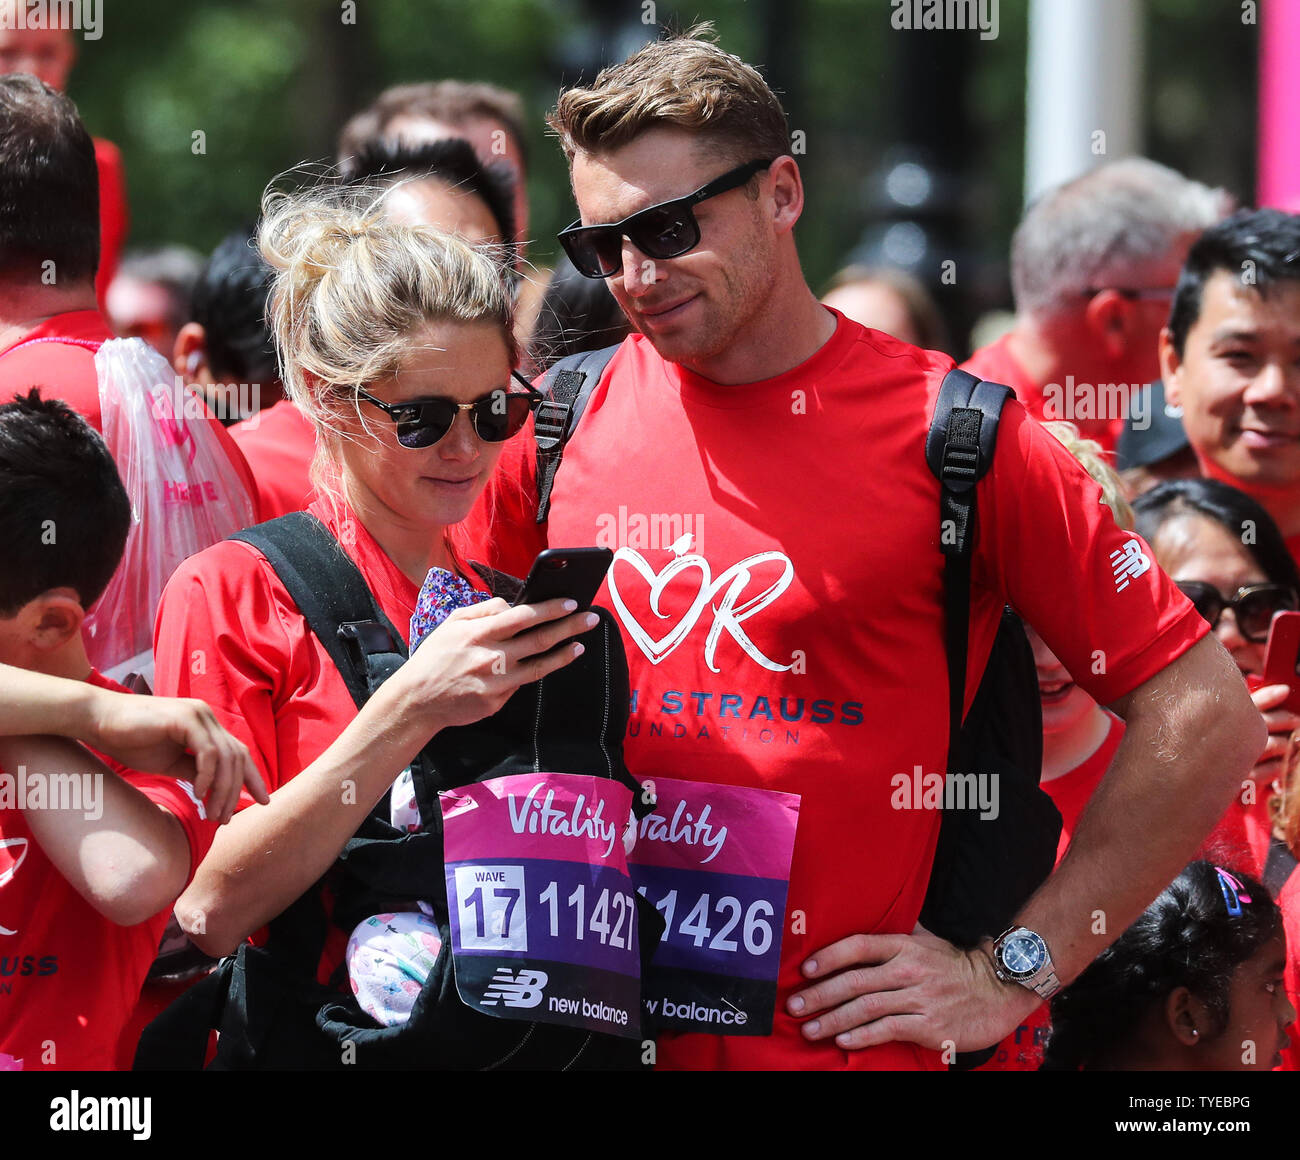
[(268, 83)]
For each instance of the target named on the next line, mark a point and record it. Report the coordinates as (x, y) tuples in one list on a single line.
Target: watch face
[(1023, 954)]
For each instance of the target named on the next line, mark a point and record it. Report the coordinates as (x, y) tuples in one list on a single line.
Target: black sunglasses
[(666, 230), (1254, 606), (496, 416)]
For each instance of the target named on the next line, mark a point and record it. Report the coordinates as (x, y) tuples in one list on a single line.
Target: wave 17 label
[(542, 910)]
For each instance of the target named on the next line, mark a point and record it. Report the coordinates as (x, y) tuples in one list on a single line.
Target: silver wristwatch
[(1021, 956)]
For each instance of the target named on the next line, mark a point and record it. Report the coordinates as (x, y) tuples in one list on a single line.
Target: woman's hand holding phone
[(1276, 693), (471, 664), (1271, 700)]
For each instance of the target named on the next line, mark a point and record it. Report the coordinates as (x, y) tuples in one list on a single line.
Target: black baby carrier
[(278, 1005)]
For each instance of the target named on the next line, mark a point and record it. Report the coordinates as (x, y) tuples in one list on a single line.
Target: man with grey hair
[(1093, 267)]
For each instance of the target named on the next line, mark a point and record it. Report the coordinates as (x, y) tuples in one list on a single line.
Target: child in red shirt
[(92, 853)]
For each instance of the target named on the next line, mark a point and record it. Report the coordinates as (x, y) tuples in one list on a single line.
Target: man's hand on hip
[(878, 988)]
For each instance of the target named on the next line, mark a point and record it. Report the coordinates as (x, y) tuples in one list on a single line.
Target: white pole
[(1083, 88)]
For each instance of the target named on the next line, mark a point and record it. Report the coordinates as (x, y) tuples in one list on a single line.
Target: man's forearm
[(1192, 737)]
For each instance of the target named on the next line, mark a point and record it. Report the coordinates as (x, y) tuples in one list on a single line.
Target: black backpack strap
[(571, 381), (959, 450), (333, 597), (499, 583)]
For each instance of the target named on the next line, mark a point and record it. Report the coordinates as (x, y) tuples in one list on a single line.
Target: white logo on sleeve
[(515, 990), (1128, 563)]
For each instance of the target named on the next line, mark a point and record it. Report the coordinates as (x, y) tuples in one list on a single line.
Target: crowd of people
[(807, 527)]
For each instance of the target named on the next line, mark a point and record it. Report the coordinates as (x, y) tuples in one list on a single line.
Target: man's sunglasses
[(666, 230), (1254, 607), (496, 416)]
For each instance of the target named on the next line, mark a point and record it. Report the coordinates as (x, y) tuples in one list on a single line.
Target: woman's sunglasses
[(1254, 607), (666, 230), (496, 417)]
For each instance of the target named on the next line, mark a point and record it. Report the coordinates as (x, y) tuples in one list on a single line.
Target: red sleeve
[(502, 529), (1288, 900), (177, 798), (112, 213), (219, 637), (1053, 551)]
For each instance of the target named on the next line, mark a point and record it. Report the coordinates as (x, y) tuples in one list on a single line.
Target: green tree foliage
[(269, 83)]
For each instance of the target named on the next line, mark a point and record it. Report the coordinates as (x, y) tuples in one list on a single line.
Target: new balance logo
[(522, 989), (1128, 563)]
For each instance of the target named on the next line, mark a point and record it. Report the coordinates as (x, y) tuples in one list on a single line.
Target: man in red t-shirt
[(92, 855), (49, 54), (1229, 359), (50, 247), (1093, 266), (731, 453)]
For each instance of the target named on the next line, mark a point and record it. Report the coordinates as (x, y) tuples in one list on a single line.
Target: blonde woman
[(396, 342)]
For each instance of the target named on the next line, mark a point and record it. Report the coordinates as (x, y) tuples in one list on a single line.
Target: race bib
[(715, 861), (543, 919)]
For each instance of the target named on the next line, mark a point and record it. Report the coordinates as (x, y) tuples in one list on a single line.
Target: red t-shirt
[(70, 978), (278, 444), (112, 213), (1072, 790), (802, 505), (229, 634), (1288, 900), (996, 363), (62, 364)]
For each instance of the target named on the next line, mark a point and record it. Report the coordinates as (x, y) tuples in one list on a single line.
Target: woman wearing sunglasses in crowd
[(396, 342), (1225, 553)]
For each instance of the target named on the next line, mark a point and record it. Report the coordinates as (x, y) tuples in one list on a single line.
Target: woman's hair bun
[(307, 235)]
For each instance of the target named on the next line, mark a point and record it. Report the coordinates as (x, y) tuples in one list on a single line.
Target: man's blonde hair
[(686, 82)]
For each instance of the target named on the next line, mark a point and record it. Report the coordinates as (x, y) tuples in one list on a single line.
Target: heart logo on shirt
[(656, 649), (9, 863), (728, 614)]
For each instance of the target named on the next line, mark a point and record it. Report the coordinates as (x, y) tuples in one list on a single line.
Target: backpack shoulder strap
[(333, 597), (959, 451), (570, 383)]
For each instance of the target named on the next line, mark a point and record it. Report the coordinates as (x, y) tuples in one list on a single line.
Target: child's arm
[(126, 856), (35, 703), (167, 735)]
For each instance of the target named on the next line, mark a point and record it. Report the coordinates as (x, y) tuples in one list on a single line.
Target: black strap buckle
[(550, 422), (368, 637)]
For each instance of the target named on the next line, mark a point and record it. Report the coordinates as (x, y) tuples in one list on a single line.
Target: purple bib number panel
[(543, 920), (715, 862)]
